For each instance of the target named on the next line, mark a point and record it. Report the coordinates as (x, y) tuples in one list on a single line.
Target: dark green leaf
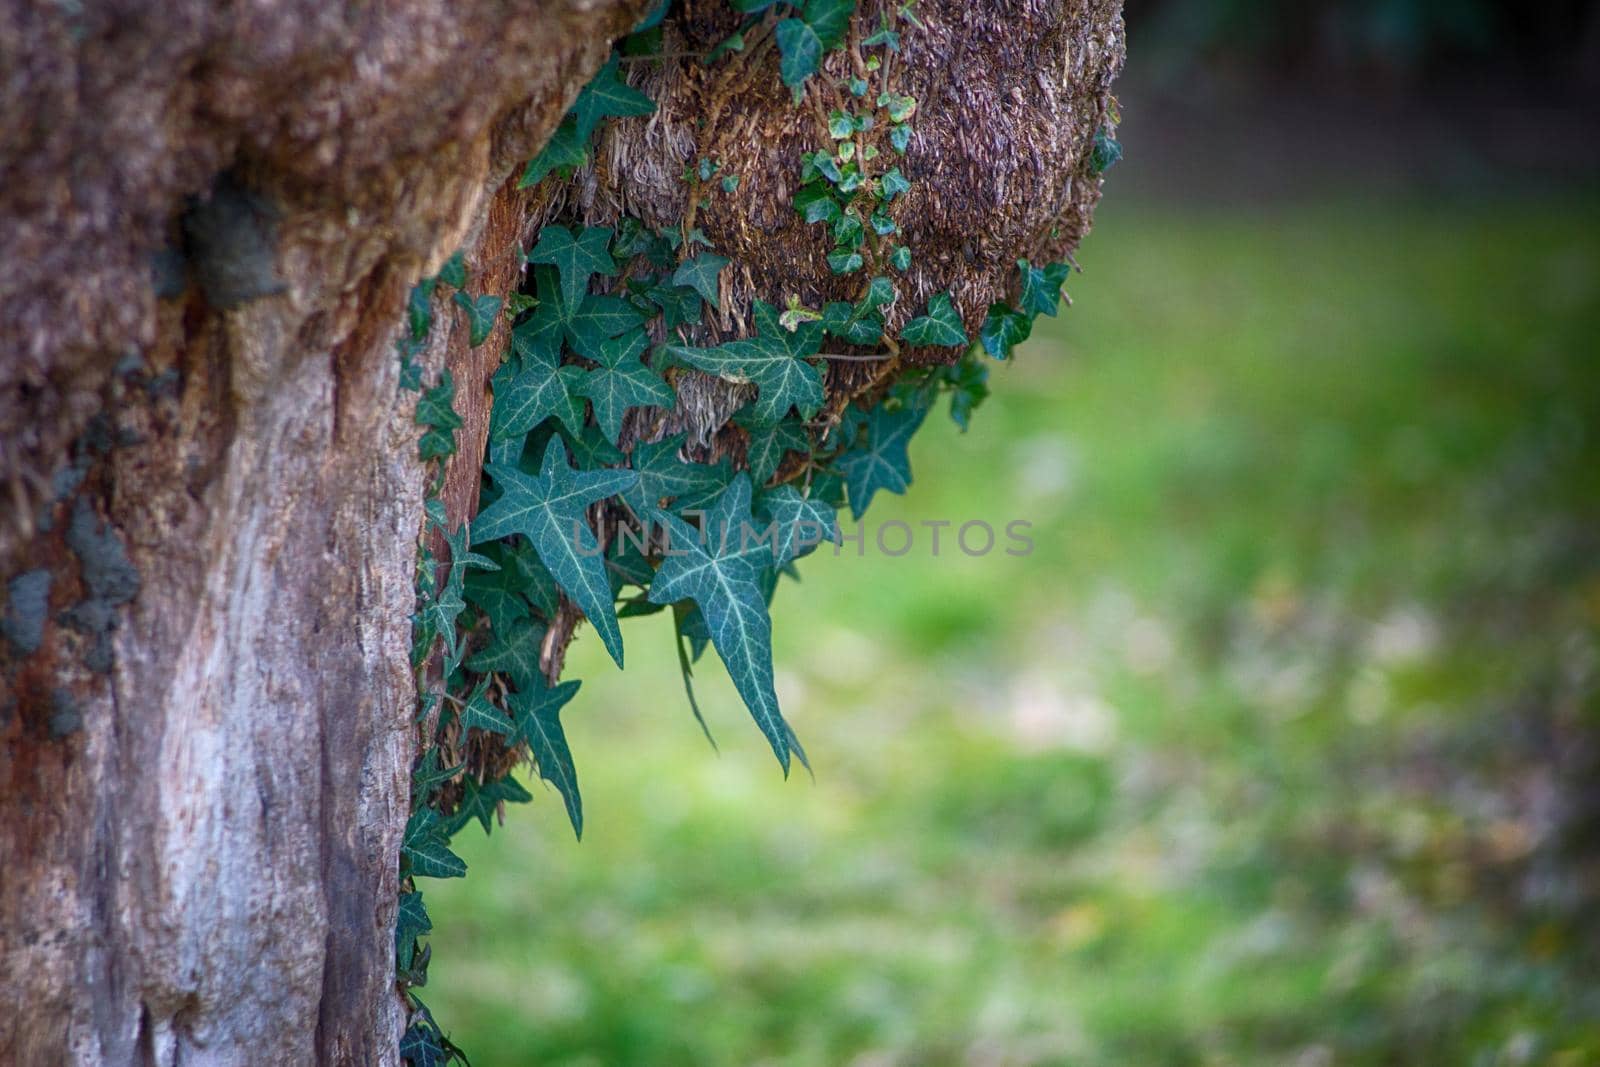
[(565, 151), (607, 96), (845, 261), (1107, 152), (537, 712), (900, 258), (941, 326), (829, 19), (1003, 328), (454, 271), (577, 256), (1041, 287), (664, 478), (801, 51), (878, 458), (513, 653), (774, 360), (419, 308), (700, 274), (482, 801), (622, 381), (969, 386), (481, 313), (722, 577), (900, 137), (435, 410), (549, 510), (424, 849), (892, 184), (768, 445), (410, 922), (816, 204)]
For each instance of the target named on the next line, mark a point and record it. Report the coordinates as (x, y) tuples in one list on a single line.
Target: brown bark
[(205, 726), (204, 782)]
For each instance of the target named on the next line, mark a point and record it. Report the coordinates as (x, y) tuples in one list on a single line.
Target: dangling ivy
[(576, 520)]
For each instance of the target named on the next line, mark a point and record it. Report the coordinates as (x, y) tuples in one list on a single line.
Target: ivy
[(941, 326)]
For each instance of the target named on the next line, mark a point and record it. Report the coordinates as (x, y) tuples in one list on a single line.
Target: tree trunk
[(211, 218)]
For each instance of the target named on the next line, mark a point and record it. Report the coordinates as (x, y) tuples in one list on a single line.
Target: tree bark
[(211, 218)]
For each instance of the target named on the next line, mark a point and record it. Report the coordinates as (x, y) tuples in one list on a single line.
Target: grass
[(1279, 748)]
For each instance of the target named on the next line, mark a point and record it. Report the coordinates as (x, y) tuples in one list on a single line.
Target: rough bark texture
[(204, 720), (211, 215)]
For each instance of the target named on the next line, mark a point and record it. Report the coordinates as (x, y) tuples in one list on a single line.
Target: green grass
[(1278, 748)]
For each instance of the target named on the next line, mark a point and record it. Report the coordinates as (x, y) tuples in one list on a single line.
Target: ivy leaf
[(1041, 287), (679, 306), (802, 522), (722, 577), (622, 381), (424, 849), (900, 258), (577, 255), (878, 458), (419, 308), (1107, 151), (941, 326), (537, 713), (900, 137), (482, 802), (801, 51), (1004, 328), (549, 510), (845, 261), (531, 389), (768, 445), (481, 313), (664, 477), (435, 410), (816, 204), (969, 387), (421, 1045), (454, 271), (410, 922), (599, 318), (829, 19), (564, 152), (893, 183), (513, 652), (854, 324), (700, 274), (774, 360), (591, 451), (479, 714), (607, 96)]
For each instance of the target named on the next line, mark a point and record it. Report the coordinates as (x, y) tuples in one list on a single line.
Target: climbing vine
[(592, 508)]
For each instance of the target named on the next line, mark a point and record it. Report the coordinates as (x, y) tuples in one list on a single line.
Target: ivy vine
[(577, 521)]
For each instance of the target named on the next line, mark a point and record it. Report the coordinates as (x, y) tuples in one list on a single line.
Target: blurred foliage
[(1281, 748), (1398, 36)]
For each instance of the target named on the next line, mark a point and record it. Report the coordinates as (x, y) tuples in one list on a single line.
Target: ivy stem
[(845, 357)]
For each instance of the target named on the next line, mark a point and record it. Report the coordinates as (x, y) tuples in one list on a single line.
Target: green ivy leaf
[(1004, 328), (802, 522), (801, 50), (734, 42), (774, 360), (537, 713), (900, 137), (1041, 287), (845, 261), (607, 96), (419, 308), (513, 653), (941, 326), (1107, 152), (892, 184), (482, 801), (481, 314), (410, 922), (435, 411), (549, 510), (878, 460), (969, 387), (564, 152), (590, 449), (599, 318), (663, 477), (769, 444), (679, 305), (722, 577), (816, 204), (531, 387), (576, 255), (700, 274), (478, 713), (730, 183), (900, 258), (454, 271), (622, 381), (425, 850), (829, 19), (857, 325)]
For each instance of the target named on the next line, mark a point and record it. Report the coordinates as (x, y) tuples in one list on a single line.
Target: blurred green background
[(1283, 747)]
